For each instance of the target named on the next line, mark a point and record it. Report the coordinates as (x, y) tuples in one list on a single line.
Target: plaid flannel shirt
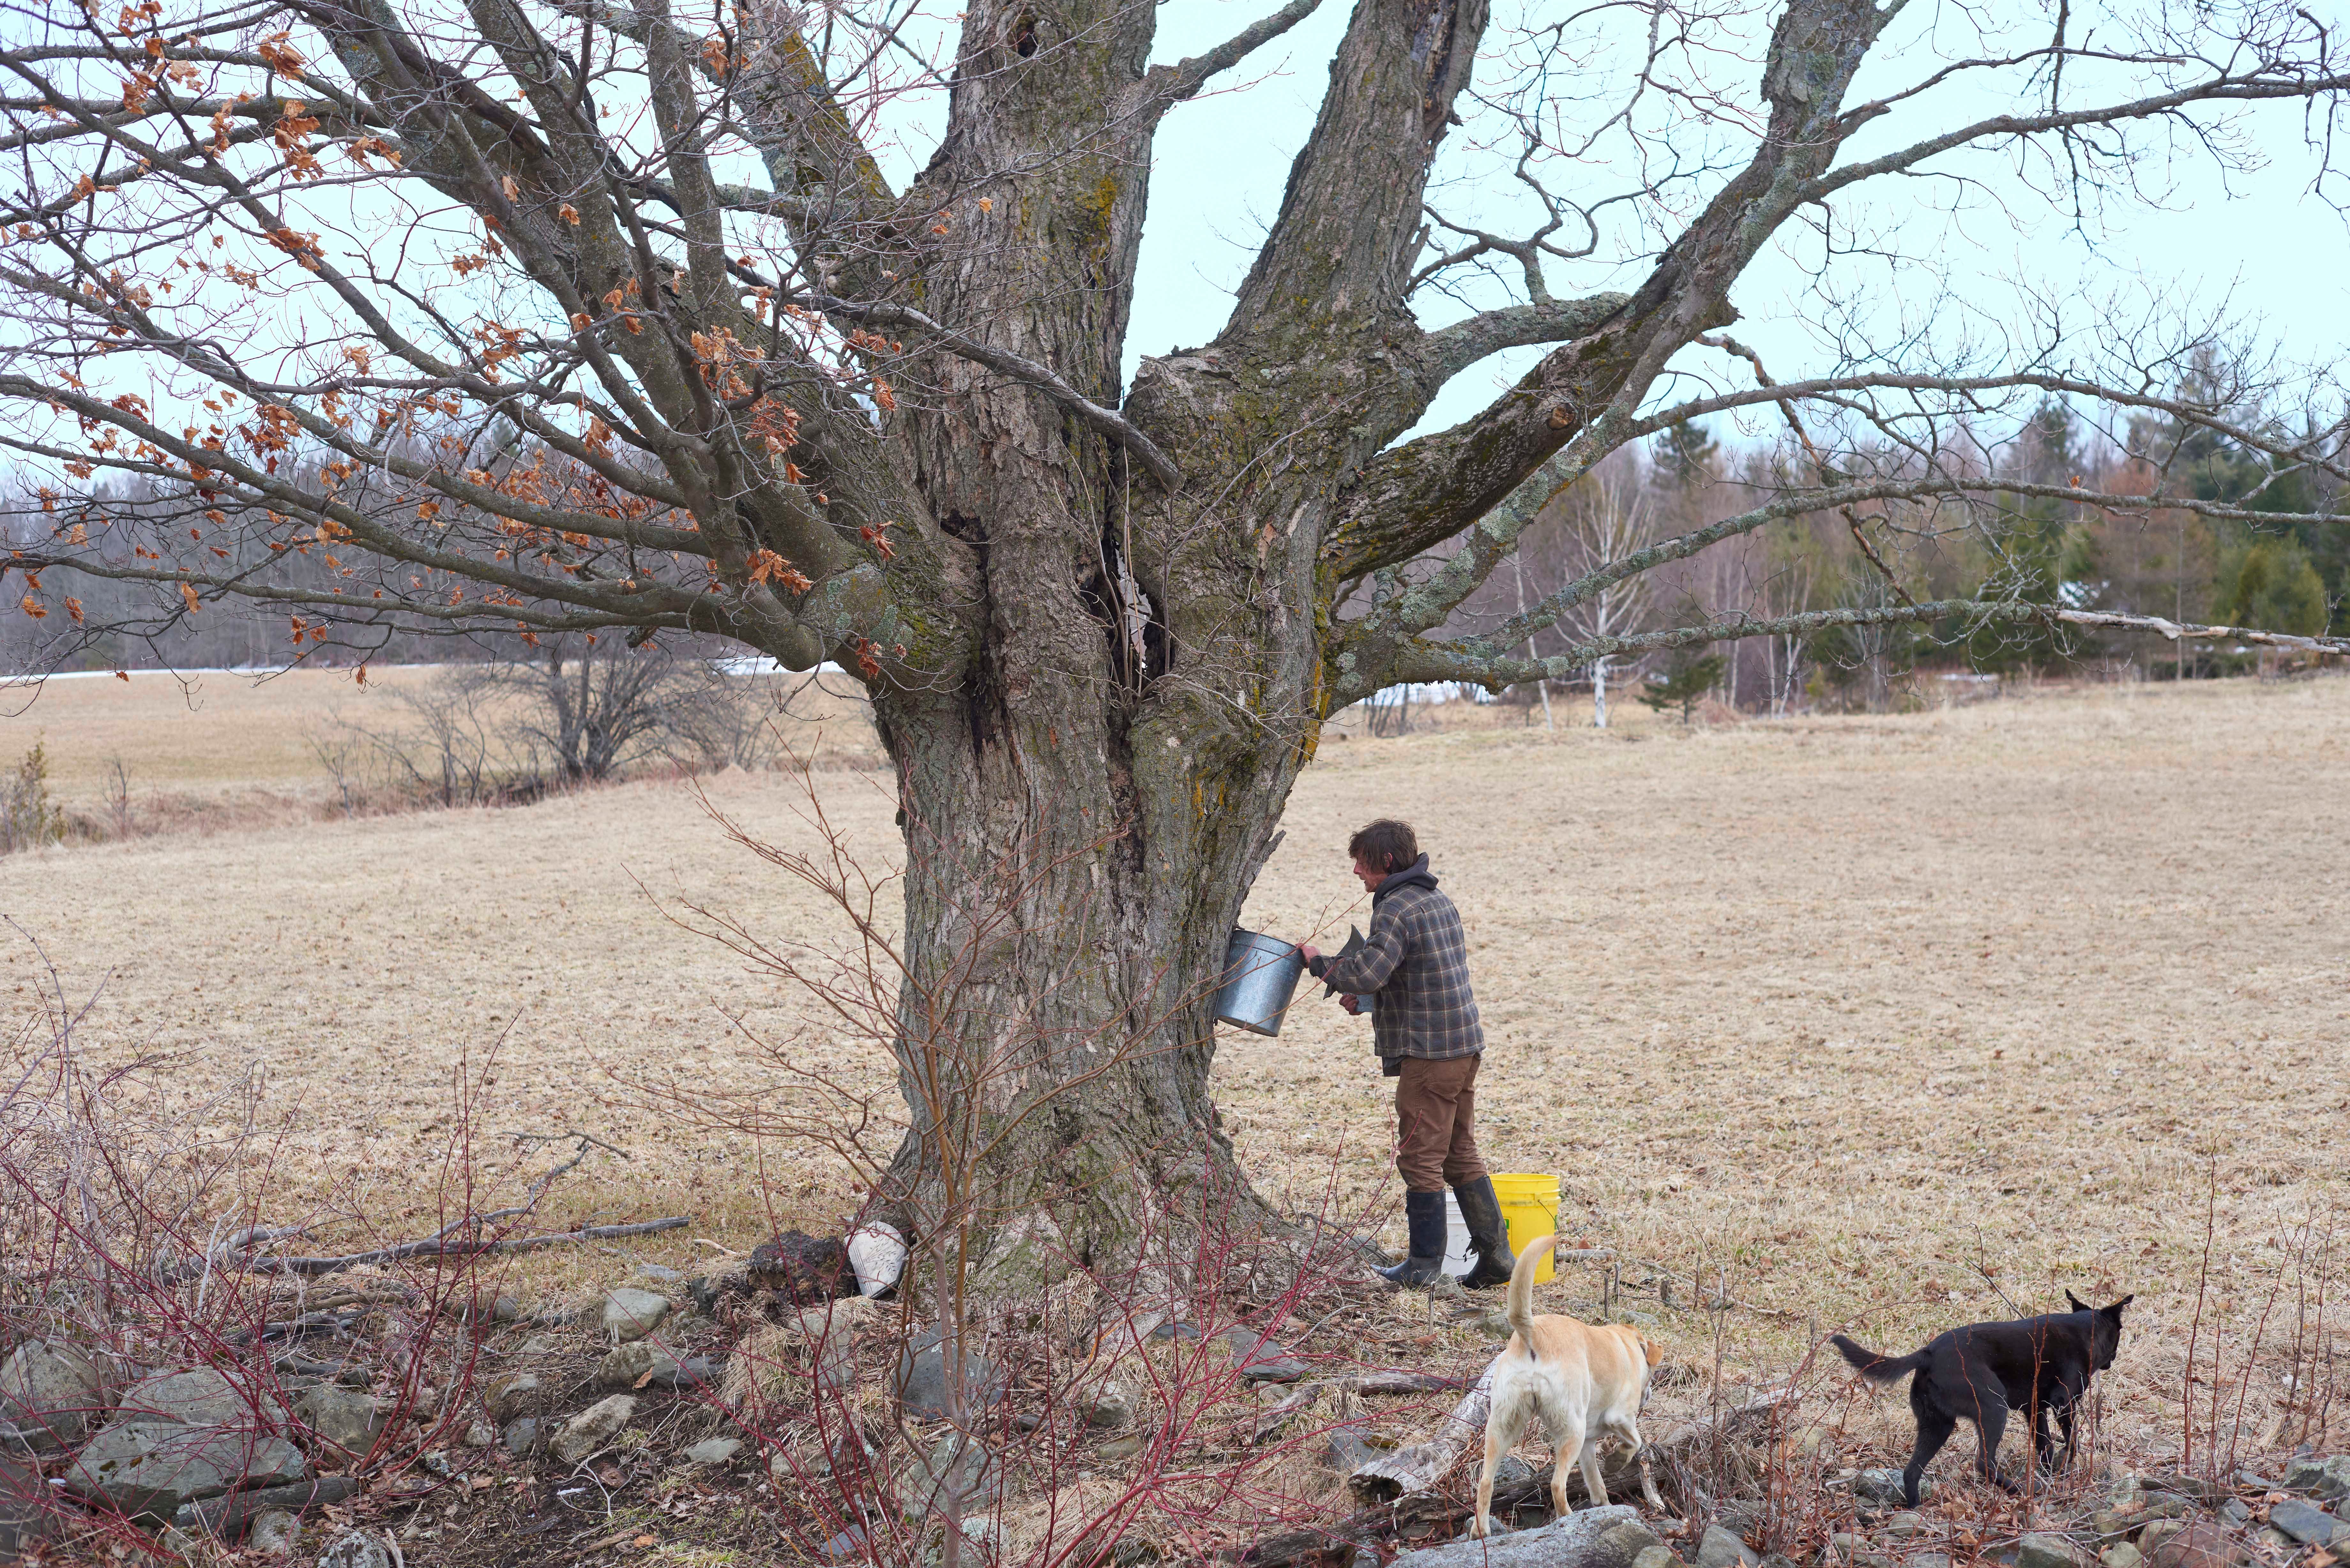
[(1416, 961)]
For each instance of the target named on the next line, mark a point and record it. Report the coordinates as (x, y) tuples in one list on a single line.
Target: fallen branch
[(1413, 1468), (1392, 1382), (228, 1517), (1427, 1515), (443, 1246)]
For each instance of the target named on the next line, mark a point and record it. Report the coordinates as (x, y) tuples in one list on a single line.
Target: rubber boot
[(1424, 1264), (1489, 1234)]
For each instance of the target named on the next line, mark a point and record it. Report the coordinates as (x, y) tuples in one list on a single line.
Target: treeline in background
[(2157, 560)]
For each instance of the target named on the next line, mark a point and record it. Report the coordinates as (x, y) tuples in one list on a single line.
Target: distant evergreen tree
[(2207, 465), (1689, 676), (2043, 554), (2270, 584), (1685, 455)]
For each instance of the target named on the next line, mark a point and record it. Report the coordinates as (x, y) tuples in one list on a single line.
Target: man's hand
[(1350, 1002), (1308, 951)]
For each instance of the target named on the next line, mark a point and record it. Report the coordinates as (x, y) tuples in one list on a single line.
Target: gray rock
[(659, 1275), (1177, 1329), (1107, 1405), (628, 1365), (631, 1314), (1882, 1489), (714, 1450), (2121, 1554), (2235, 1512), (512, 1394), (539, 1344), (849, 1544), (955, 1461), (1906, 1524), (274, 1533), (921, 1378), (2310, 1525), (1720, 1548), (592, 1429), (475, 1310), (343, 1416), (2200, 1546), (51, 1394), (355, 1549), (150, 1468), (1927, 1560), (481, 1433), (25, 1516), (1657, 1556), (1347, 1448), (1124, 1448), (1512, 1471), (2044, 1549), (1623, 1545), (203, 1398), (521, 1437), (1261, 1358), (2155, 1534), (2327, 1478), (1574, 1541)]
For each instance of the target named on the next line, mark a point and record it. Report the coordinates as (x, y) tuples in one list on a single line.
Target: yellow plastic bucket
[(1529, 1207)]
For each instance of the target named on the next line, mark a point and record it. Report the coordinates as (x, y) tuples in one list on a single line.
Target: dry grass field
[(1877, 1021)]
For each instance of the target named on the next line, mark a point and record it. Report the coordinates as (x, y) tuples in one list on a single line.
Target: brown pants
[(1436, 1124)]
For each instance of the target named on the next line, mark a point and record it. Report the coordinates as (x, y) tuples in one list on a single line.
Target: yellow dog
[(1585, 1383)]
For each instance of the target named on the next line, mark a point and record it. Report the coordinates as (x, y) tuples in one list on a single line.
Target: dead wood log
[(1392, 1382), (449, 1246), (1413, 1468), (1675, 1453), (1428, 1514)]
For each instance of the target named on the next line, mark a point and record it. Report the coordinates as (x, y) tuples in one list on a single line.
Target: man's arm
[(1368, 968)]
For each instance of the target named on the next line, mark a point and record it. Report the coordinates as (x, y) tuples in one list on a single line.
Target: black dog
[(1982, 1371)]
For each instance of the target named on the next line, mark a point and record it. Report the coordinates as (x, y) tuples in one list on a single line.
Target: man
[(1415, 965)]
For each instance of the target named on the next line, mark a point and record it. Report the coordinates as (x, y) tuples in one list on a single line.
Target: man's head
[(1382, 849)]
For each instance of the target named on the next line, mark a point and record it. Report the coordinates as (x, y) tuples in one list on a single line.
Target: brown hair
[(1385, 845)]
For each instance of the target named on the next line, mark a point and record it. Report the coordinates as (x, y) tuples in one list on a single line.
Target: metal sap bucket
[(1261, 974)]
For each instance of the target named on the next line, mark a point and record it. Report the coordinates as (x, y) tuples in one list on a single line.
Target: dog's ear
[(2114, 1310), (1651, 1349), (2076, 1303)]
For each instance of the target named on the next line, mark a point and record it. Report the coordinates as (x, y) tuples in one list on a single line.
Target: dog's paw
[(1483, 1525)]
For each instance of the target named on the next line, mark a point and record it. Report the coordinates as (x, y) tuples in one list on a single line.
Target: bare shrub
[(135, 1229), (28, 817), (576, 712)]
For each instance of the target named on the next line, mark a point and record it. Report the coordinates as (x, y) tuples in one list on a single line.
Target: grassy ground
[(1886, 1021)]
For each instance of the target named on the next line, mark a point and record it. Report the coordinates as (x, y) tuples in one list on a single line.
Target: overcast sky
[(2264, 240)]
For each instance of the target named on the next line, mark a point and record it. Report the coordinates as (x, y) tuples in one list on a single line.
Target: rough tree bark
[(1102, 626)]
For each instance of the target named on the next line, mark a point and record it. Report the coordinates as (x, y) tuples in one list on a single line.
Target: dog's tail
[(1520, 1310), (1875, 1367)]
